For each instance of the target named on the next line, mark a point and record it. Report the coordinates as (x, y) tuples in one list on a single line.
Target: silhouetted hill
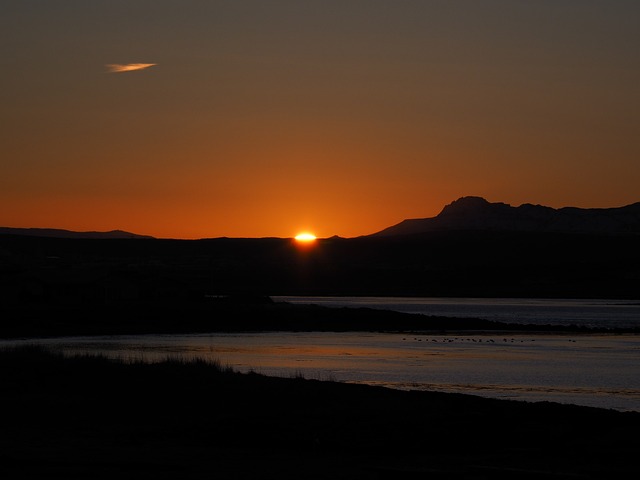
[(476, 213), (60, 233), (39, 270)]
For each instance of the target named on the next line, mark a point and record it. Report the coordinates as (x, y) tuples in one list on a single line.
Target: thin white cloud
[(127, 67)]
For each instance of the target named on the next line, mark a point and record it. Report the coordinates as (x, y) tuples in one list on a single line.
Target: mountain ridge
[(61, 233), (469, 213), (476, 213)]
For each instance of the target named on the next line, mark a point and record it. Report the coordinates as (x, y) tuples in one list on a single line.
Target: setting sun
[(305, 237)]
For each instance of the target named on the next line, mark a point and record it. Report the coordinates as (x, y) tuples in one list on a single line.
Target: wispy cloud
[(127, 67)]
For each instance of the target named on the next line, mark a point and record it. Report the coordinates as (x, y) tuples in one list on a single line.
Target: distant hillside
[(59, 233), (476, 213), (41, 271)]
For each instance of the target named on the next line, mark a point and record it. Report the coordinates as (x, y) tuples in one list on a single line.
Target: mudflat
[(89, 417)]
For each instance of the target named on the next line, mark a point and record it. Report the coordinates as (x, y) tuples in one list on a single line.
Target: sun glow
[(305, 237)]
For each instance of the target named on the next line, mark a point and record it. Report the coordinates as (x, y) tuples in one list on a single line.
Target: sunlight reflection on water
[(592, 370)]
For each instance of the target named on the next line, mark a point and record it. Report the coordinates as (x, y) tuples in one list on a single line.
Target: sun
[(305, 237)]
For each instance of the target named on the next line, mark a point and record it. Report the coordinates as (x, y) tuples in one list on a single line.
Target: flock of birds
[(474, 340)]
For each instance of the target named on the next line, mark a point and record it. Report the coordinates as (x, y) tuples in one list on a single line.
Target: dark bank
[(89, 417)]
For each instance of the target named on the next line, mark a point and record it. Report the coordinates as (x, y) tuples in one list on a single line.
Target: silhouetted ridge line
[(476, 213), (60, 233)]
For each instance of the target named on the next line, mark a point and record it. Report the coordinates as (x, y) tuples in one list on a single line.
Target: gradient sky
[(264, 118)]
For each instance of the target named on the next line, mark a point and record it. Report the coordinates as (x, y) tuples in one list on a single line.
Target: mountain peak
[(466, 204), (469, 200), (476, 213)]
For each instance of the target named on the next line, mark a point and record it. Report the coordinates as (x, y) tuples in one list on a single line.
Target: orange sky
[(342, 118)]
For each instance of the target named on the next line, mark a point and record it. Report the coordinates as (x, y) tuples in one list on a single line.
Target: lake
[(600, 370), (587, 313), (592, 370)]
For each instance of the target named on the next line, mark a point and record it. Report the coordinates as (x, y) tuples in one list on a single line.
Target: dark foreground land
[(94, 418)]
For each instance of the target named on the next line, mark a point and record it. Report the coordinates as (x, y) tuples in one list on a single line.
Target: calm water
[(588, 313), (593, 370)]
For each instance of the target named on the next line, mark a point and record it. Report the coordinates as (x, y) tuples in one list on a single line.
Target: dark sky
[(264, 118)]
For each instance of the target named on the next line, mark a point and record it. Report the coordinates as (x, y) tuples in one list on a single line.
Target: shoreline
[(460, 362), (92, 416), (243, 314)]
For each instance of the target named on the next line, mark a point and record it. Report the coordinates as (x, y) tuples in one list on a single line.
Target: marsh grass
[(192, 418), (31, 355), (211, 364), (322, 376), (297, 375), (35, 353)]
